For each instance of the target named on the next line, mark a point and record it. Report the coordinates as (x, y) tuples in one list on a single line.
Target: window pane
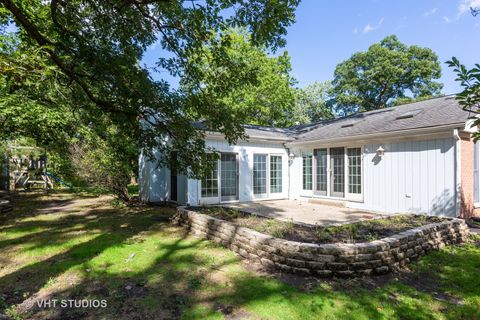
[(210, 183), (259, 173), (321, 169), (228, 175), (354, 170), (307, 172), (275, 174)]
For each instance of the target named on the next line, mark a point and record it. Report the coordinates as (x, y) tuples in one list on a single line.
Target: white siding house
[(410, 158)]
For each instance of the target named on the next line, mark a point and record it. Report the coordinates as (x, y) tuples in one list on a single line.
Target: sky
[(327, 32)]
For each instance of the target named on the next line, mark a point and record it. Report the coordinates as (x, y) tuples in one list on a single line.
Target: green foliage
[(469, 79), (406, 100), (73, 66), (314, 103), (387, 71), (240, 77)]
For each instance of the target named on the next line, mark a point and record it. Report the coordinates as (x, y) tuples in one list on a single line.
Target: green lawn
[(75, 246)]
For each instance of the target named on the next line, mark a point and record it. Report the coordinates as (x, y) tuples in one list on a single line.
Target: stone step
[(328, 202)]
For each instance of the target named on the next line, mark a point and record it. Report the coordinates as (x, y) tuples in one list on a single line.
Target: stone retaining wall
[(5, 205), (378, 256)]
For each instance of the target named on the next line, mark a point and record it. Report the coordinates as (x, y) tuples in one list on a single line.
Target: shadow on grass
[(148, 269)]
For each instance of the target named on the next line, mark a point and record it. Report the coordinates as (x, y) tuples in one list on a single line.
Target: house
[(418, 157)]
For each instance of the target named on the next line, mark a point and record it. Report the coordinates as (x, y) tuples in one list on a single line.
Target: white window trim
[(218, 198), (347, 196), (269, 195)]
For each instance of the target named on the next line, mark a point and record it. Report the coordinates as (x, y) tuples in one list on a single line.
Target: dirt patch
[(363, 231)]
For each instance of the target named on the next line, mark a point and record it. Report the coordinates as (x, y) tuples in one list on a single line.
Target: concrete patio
[(306, 212)]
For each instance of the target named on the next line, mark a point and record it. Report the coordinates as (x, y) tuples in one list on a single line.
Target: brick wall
[(467, 208)]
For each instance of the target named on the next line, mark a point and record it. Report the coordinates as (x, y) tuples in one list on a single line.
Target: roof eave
[(216, 135), (383, 135)]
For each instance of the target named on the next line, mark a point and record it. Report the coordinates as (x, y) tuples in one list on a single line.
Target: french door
[(267, 175)]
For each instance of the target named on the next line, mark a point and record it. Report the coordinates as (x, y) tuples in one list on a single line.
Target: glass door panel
[(337, 178), (260, 175), (229, 176), (275, 174), (321, 171)]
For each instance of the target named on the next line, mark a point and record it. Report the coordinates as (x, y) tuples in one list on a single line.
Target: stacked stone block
[(339, 259), (5, 205)]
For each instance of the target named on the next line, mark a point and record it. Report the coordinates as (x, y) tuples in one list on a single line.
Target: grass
[(71, 246)]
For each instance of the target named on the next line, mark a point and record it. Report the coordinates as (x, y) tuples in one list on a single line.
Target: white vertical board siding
[(182, 189), (245, 151), (412, 176), (296, 175), (154, 181)]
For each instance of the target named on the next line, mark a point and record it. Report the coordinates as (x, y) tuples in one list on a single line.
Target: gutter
[(288, 159), (382, 135)]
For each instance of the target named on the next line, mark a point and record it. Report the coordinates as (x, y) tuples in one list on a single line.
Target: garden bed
[(362, 231)]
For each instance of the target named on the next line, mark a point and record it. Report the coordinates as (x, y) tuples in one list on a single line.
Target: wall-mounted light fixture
[(380, 151), (291, 156)]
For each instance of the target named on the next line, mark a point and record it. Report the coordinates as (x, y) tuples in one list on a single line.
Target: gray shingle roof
[(434, 112), (255, 131), (429, 113)]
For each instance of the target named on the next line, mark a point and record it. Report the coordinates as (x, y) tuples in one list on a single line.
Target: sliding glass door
[(222, 183), (229, 176)]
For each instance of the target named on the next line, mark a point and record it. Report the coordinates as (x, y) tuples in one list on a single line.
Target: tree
[(92, 49), (314, 103), (387, 71), (265, 99), (469, 79)]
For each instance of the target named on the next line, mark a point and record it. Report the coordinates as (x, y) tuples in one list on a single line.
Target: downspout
[(458, 171), (289, 182)]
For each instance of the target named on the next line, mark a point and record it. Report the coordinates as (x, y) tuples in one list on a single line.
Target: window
[(275, 174), (354, 170), (259, 173), (210, 183), (307, 172)]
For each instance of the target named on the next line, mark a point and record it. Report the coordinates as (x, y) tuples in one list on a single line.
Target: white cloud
[(465, 6), (369, 28), (447, 19), (355, 30), (430, 12)]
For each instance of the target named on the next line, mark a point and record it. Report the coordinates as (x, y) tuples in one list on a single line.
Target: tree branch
[(32, 30)]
